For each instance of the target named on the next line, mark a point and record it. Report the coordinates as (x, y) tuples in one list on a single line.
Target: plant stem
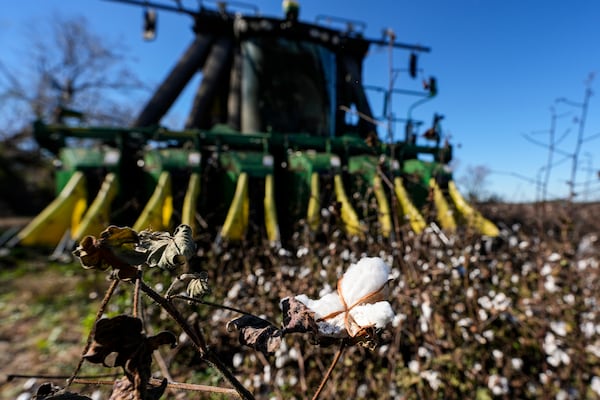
[(215, 305), (136, 295), (336, 358), (170, 385), (109, 292), (198, 340)]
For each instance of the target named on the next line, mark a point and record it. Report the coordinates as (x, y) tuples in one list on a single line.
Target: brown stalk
[(336, 358), (136, 295), (109, 292), (171, 385), (215, 305), (198, 341)]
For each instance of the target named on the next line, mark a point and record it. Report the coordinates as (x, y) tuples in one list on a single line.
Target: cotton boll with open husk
[(357, 303)]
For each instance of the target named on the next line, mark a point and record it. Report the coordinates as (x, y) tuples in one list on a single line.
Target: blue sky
[(500, 66)]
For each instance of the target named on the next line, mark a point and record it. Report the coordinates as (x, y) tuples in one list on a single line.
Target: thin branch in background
[(215, 305), (544, 145), (171, 385), (551, 148), (591, 137), (334, 362), (66, 64), (109, 292), (580, 134), (136, 294)]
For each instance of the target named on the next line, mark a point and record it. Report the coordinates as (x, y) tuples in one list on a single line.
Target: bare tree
[(474, 182), (66, 66)]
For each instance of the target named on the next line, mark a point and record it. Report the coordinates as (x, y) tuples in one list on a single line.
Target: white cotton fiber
[(377, 315), (326, 305), (367, 276)]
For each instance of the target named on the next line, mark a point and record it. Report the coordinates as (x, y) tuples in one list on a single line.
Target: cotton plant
[(351, 314), (127, 254)]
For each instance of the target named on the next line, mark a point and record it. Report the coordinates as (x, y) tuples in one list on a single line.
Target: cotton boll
[(595, 385), (238, 359), (517, 363), (365, 277), (432, 377), (414, 366), (353, 306), (554, 257), (559, 327)]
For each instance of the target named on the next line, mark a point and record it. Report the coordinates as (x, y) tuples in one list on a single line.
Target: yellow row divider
[(473, 217), (383, 212), (415, 219), (313, 214), (236, 222), (445, 215), (157, 213), (271, 224), (64, 212), (97, 217), (349, 216), (188, 213)]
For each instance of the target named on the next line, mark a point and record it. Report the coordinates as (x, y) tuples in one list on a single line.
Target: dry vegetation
[(515, 317)]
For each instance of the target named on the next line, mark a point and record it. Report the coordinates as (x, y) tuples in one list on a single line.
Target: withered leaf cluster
[(123, 249), (120, 342), (263, 336)]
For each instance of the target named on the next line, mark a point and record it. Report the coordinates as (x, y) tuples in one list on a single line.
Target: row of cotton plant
[(416, 316), (468, 317)]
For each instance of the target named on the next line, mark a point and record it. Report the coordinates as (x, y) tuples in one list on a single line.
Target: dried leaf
[(123, 242), (49, 391), (257, 333), (166, 251), (115, 236), (297, 317), (198, 286), (123, 335), (185, 240), (161, 338), (117, 248), (92, 255)]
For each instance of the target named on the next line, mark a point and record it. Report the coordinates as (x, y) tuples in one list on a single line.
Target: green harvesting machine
[(280, 138)]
